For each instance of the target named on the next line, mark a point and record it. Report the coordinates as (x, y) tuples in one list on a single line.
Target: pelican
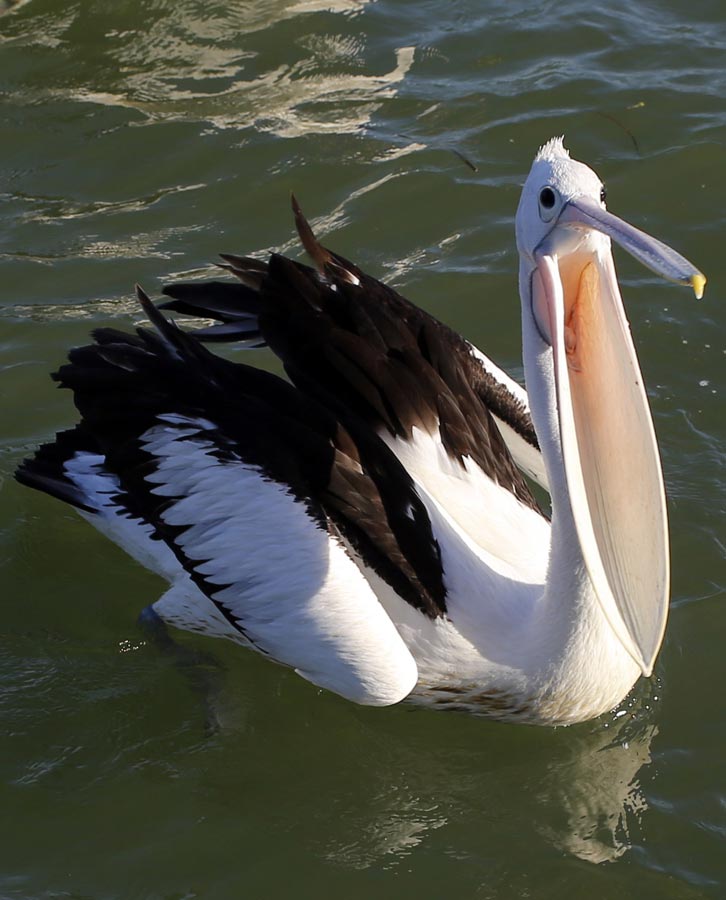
[(370, 522)]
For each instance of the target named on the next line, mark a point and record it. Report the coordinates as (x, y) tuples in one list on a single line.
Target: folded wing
[(457, 423), (263, 496)]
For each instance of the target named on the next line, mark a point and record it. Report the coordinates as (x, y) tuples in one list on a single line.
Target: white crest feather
[(553, 149)]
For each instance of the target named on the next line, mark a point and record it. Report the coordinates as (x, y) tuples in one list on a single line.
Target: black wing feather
[(348, 479), (358, 346)]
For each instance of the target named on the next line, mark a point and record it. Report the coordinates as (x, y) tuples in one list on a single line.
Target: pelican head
[(601, 423)]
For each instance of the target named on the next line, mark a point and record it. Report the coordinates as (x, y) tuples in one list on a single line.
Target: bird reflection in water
[(400, 786), (584, 797)]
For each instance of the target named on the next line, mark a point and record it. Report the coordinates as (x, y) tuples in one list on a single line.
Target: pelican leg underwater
[(369, 522)]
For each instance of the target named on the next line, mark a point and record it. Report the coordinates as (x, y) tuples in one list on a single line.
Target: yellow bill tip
[(698, 283)]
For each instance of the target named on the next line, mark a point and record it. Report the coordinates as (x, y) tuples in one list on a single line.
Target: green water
[(141, 138)]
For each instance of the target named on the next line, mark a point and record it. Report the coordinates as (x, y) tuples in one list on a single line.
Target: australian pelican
[(368, 523)]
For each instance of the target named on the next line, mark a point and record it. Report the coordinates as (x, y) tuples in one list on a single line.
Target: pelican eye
[(547, 197), (549, 203), (603, 194)]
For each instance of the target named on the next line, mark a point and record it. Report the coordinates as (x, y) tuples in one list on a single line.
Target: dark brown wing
[(360, 348), (348, 480)]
